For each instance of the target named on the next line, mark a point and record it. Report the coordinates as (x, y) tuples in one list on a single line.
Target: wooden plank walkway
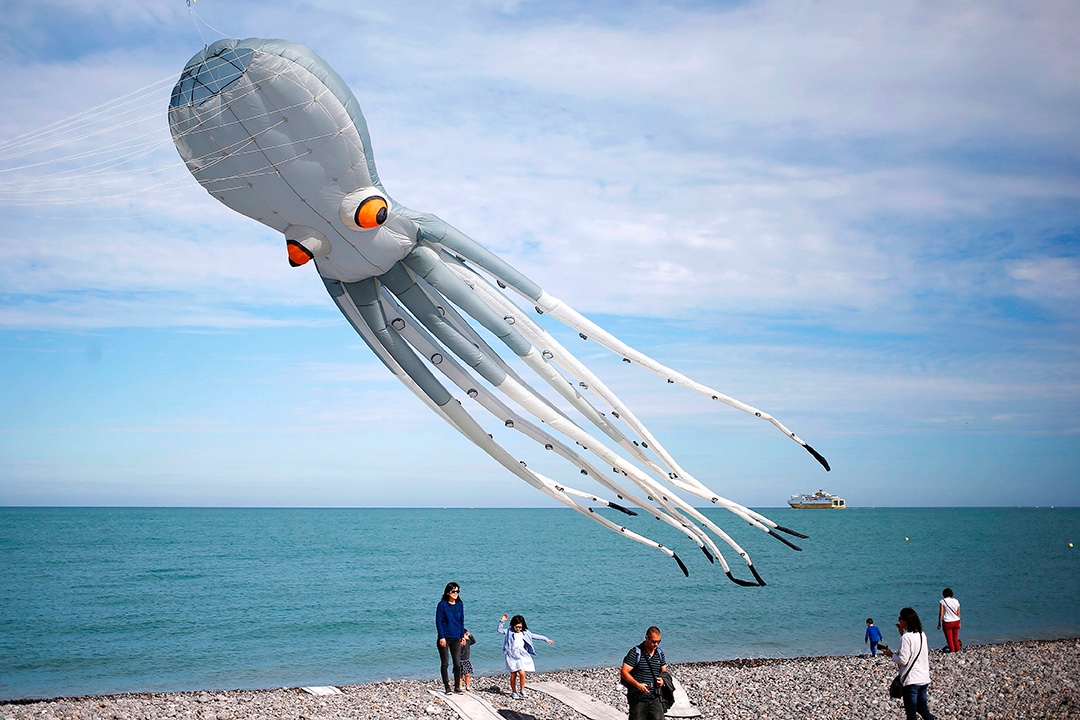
[(587, 705), (321, 690), (469, 706), (593, 709), (473, 707)]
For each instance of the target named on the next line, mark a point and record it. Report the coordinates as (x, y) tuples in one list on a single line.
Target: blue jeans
[(915, 702)]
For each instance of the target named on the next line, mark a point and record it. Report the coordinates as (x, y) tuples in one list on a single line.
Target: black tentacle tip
[(707, 553), (681, 566), (760, 581), (819, 457), (787, 542), (743, 583), (789, 531), (622, 509)]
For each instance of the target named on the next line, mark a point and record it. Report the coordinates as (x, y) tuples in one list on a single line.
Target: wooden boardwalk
[(472, 707), (593, 709), (469, 706), (587, 705)]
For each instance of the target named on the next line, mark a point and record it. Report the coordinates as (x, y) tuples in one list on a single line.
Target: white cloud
[(1048, 279), (839, 66), (711, 212)]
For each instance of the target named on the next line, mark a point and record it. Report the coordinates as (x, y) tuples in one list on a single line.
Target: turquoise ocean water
[(107, 600)]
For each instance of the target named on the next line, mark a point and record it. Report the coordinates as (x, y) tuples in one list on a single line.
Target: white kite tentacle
[(349, 310), (551, 350), (525, 397), (463, 420), (367, 313), (675, 473), (459, 323), (405, 325), (467, 248), (427, 264), (563, 312), (468, 426)]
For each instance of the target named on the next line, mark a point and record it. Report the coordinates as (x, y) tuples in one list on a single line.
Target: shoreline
[(1017, 679)]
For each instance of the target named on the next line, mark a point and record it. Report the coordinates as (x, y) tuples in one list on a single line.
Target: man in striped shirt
[(640, 673)]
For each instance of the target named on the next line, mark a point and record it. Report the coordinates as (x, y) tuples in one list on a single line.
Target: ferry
[(820, 500)]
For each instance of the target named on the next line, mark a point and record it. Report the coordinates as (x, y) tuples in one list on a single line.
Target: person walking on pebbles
[(873, 636), (949, 617), (640, 673), (913, 663), (518, 650)]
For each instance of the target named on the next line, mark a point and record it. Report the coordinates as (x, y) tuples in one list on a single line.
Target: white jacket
[(914, 652)]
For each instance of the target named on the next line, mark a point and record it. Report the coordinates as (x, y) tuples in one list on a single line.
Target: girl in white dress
[(518, 650)]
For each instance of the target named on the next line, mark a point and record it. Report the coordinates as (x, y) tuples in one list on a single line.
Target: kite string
[(143, 96), (99, 175), (196, 19), (96, 164)]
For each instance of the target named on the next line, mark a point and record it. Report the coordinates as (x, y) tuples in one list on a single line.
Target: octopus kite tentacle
[(448, 236), (528, 328), (464, 296), (362, 305), (428, 316), (431, 315), (450, 367), (588, 380), (274, 133)]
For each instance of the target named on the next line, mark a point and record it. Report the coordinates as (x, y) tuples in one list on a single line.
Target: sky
[(863, 218)]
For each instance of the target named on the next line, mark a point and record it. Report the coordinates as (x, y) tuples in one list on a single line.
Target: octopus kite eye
[(371, 213), (365, 209)]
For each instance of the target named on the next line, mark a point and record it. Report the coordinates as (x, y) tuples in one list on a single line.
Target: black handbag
[(896, 687)]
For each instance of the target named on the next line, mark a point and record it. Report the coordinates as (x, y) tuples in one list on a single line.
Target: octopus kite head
[(270, 130)]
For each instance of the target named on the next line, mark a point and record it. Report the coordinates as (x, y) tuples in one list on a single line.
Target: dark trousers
[(452, 650), (652, 709)]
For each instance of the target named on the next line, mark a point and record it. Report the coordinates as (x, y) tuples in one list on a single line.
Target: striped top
[(646, 669)]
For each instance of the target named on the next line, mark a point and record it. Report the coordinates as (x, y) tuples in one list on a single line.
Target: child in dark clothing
[(466, 666), (873, 636)]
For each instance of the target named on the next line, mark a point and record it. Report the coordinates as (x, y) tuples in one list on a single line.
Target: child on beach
[(873, 636), (467, 641), (518, 649)]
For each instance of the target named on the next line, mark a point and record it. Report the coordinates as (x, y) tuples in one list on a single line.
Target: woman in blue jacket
[(450, 624)]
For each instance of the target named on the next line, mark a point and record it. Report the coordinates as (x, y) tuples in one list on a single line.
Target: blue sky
[(860, 217)]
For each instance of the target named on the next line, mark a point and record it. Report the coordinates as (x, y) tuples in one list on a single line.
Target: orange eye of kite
[(371, 212)]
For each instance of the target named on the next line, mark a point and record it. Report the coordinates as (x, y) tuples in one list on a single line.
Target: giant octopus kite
[(269, 129)]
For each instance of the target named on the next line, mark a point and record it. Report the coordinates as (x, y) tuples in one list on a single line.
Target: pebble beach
[(1028, 680)]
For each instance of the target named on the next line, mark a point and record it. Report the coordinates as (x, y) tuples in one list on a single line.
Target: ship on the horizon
[(820, 500)]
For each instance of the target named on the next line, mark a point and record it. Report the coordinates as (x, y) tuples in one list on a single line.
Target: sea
[(100, 601)]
